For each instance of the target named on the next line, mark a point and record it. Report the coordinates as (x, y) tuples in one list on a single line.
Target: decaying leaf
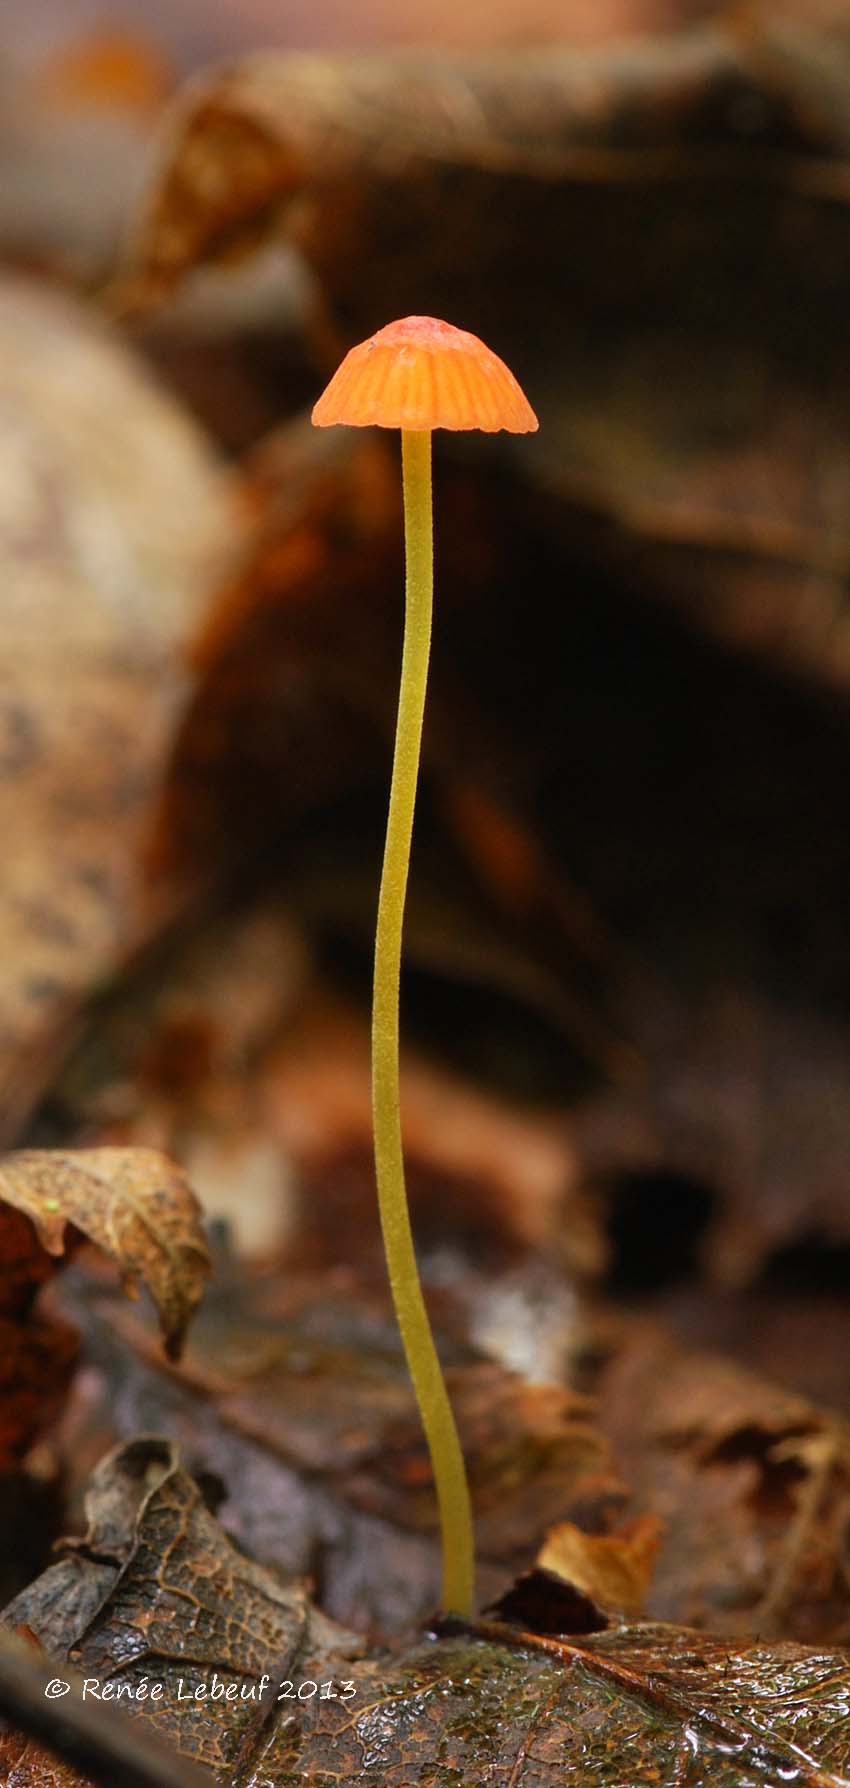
[(156, 1593), (28, 1765), (156, 1577), (297, 1398), (138, 1207), (90, 1744), (751, 1482), (114, 523)]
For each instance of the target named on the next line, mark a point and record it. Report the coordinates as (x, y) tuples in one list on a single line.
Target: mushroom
[(417, 375)]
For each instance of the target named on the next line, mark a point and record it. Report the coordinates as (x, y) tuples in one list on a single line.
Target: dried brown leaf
[(614, 1569), (752, 1483), (114, 522), (138, 1207)]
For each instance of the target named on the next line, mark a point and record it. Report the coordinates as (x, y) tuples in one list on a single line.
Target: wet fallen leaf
[(156, 1576), (136, 1206), (170, 1600), (27, 1764)]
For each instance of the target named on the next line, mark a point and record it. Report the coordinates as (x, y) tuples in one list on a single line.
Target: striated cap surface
[(421, 373)]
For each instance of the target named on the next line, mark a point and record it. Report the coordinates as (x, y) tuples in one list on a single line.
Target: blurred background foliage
[(627, 998)]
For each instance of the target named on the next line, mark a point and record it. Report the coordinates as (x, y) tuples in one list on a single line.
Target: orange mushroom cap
[(421, 374)]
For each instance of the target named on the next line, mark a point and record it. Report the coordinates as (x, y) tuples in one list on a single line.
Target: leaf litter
[(486, 1704), (748, 1483)]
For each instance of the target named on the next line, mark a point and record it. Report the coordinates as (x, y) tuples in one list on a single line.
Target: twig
[(96, 1740)]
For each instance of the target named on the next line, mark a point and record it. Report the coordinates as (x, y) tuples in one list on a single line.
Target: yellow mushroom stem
[(423, 1362)]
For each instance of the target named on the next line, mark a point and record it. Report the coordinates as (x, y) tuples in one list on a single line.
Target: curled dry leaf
[(114, 523), (157, 1592), (137, 1206), (613, 1569)]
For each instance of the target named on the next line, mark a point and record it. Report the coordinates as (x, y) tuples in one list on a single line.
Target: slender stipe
[(416, 375), (425, 1370)]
